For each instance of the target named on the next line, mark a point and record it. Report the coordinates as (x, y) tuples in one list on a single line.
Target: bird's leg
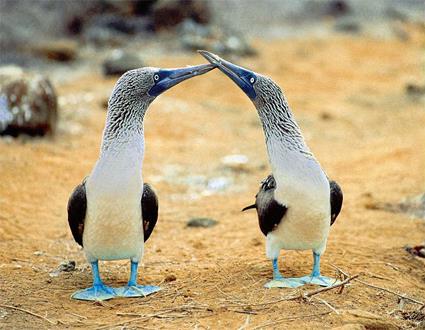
[(316, 265), (315, 277), (279, 281), (276, 273), (133, 274), (98, 291), (132, 289)]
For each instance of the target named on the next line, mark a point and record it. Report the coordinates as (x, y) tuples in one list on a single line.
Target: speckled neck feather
[(126, 110), (277, 119)]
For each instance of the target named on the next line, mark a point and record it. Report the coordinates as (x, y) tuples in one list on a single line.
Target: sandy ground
[(348, 96)]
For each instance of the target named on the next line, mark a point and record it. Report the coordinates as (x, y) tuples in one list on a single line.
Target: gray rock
[(418, 250), (415, 90), (168, 14), (194, 36), (120, 62), (414, 206), (400, 32), (114, 22), (123, 25), (396, 14), (28, 103), (217, 184), (63, 50), (65, 266), (3, 313), (347, 25), (100, 37), (237, 163), (6, 116), (337, 8), (234, 44), (201, 222)]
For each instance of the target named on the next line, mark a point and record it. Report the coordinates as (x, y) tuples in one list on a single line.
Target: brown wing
[(336, 200), (77, 206), (149, 210), (270, 212)]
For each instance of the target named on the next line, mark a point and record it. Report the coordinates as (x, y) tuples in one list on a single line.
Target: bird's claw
[(282, 282), (95, 293), (136, 290), (319, 280)]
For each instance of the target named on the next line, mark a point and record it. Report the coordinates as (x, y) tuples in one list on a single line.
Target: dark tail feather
[(253, 206)]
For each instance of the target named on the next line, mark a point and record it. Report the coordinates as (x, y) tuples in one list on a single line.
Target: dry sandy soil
[(347, 94)]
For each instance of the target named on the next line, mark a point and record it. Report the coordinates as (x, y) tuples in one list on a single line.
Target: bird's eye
[(252, 80), (156, 77)]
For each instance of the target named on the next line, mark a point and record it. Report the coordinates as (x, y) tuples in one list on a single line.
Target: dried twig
[(183, 310), (292, 297), (403, 296), (340, 270), (128, 314), (245, 325), (29, 312), (260, 304), (242, 311), (392, 266), (140, 318), (281, 320), (80, 316), (378, 276), (226, 294), (312, 293), (102, 303), (323, 301)]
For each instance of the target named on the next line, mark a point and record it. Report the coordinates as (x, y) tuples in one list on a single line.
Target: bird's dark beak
[(167, 78), (244, 78)]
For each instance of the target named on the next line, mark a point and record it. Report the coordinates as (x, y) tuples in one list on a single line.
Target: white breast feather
[(113, 225), (302, 186)]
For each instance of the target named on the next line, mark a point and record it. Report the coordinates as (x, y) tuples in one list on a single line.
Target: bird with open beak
[(297, 203), (112, 212)]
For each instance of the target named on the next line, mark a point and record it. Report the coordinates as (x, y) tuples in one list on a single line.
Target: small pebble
[(235, 162), (218, 184), (201, 222), (170, 278), (3, 314), (65, 266), (414, 89), (325, 116)]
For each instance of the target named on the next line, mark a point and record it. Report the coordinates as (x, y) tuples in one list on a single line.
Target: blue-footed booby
[(112, 213), (296, 204)]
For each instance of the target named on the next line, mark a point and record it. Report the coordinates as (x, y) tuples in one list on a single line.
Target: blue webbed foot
[(96, 292), (137, 290), (132, 289), (315, 277), (284, 283), (319, 280)]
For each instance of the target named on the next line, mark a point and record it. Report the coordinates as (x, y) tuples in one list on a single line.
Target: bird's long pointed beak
[(171, 77), (238, 74)]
